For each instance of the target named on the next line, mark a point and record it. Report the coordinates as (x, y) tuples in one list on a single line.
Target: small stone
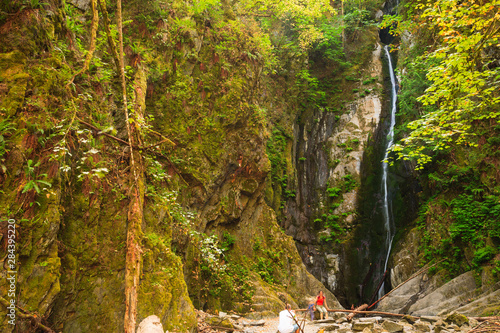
[(410, 319), (341, 320), (151, 324), (367, 330), (392, 326), (233, 317), (440, 329), (343, 330), (359, 326), (338, 315), (422, 327), (258, 323), (370, 319), (439, 322), (221, 322), (457, 318), (330, 327), (222, 314)]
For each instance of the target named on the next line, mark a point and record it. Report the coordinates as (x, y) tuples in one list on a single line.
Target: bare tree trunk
[(135, 209)]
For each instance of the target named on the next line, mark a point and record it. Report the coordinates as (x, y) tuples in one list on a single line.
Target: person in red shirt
[(321, 305)]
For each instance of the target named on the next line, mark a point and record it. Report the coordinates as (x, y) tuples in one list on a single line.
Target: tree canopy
[(464, 75)]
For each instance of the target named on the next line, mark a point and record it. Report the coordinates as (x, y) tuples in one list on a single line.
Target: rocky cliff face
[(208, 237), (332, 153)]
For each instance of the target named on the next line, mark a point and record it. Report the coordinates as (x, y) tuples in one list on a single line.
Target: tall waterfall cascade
[(386, 208)]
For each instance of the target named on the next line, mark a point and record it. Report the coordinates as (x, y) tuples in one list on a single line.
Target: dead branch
[(159, 143), (486, 318), (22, 315), (111, 42), (103, 133)]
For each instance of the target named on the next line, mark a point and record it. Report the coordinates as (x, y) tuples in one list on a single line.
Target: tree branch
[(27, 316), (93, 34)]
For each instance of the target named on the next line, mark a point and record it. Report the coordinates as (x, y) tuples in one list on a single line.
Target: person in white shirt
[(287, 324)]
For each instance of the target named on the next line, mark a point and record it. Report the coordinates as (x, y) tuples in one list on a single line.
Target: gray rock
[(151, 324), (370, 319), (392, 326), (486, 302), (409, 319), (440, 322), (258, 323), (422, 327), (344, 330), (440, 329), (453, 327), (222, 314), (80, 4), (341, 320), (330, 327), (359, 326), (447, 297), (338, 315), (233, 317)]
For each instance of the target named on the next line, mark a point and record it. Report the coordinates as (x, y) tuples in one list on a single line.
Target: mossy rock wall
[(204, 109)]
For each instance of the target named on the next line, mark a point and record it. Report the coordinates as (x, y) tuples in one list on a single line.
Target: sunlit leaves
[(464, 88)]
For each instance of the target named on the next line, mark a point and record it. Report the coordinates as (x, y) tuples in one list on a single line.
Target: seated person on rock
[(287, 323), (321, 305)]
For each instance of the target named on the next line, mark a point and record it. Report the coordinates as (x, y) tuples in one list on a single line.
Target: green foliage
[(475, 219), (6, 130), (309, 85), (264, 267), (463, 86), (333, 192), (32, 179), (356, 19), (483, 255), (227, 241)]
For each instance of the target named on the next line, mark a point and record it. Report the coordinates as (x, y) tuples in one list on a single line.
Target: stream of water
[(386, 211)]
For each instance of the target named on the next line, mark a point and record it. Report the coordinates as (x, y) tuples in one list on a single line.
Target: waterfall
[(386, 211)]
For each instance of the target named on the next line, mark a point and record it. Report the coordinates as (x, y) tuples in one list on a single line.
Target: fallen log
[(371, 312), (485, 318), (359, 308)]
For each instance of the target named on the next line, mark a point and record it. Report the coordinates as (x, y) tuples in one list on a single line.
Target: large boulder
[(423, 296)]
